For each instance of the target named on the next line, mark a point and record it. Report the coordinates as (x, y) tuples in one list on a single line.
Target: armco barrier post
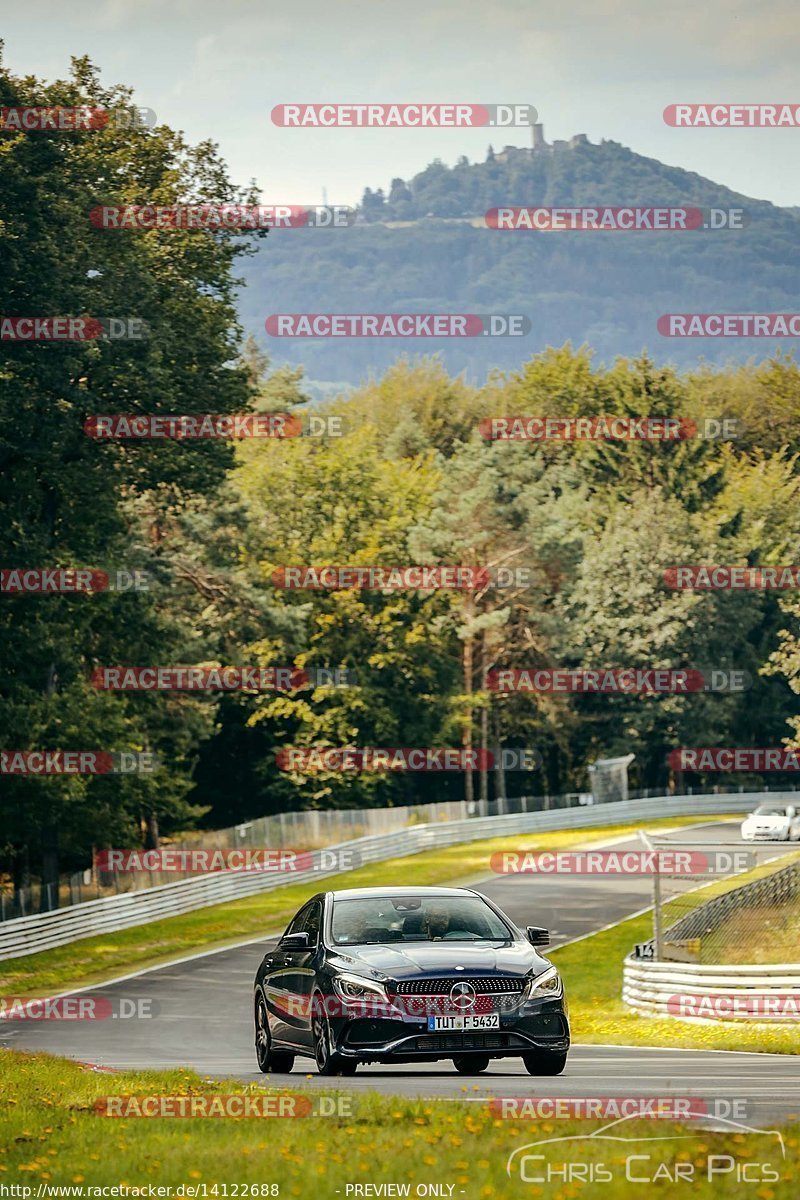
[(658, 939)]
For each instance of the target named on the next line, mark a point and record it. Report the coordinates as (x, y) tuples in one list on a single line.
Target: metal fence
[(758, 920), (43, 931), (748, 910), (306, 830), (734, 958)]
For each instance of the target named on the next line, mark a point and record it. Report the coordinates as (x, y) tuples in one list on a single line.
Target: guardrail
[(309, 829), (699, 992), (29, 935)]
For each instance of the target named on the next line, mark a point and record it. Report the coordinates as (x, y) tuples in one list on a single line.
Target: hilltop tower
[(539, 145)]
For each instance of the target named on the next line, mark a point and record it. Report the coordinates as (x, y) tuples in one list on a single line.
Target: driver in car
[(355, 927), (437, 923)]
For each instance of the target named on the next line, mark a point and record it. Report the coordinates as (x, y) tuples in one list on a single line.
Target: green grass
[(761, 935), (592, 969), (92, 960), (52, 1135)]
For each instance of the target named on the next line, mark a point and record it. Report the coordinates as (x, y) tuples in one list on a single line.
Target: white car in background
[(772, 823)]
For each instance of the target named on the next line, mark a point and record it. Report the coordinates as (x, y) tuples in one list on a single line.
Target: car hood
[(441, 958), (767, 822)]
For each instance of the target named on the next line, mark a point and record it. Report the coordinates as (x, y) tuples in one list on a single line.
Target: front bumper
[(537, 1025)]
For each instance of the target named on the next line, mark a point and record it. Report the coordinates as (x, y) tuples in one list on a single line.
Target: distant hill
[(422, 247)]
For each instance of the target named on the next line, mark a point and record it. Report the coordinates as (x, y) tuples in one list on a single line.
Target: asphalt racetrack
[(204, 1016)]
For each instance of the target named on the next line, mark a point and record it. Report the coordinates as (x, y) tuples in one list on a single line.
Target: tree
[(71, 500)]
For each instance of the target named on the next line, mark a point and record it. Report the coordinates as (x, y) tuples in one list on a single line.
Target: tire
[(268, 1059), (328, 1061), (545, 1062), (349, 1066), (471, 1064)]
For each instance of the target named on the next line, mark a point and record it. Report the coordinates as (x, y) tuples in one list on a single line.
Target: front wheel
[(544, 1062), (471, 1064), (327, 1060), (267, 1057)]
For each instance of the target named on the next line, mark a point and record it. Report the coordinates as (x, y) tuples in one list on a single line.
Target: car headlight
[(546, 986), (354, 988)]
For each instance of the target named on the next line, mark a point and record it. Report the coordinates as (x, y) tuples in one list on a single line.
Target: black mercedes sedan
[(401, 975)]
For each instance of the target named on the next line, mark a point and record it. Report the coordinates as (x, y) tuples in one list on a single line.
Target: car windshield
[(766, 811), (416, 919)]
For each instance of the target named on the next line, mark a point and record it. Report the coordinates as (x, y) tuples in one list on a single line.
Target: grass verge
[(764, 935), (92, 960), (53, 1137)]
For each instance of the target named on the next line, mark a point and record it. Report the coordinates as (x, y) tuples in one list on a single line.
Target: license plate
[(480, 1021)]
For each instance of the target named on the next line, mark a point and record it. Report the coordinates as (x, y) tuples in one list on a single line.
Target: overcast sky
[(605, 68)]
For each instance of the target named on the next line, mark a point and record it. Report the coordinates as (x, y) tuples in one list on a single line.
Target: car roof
[(366, 893)]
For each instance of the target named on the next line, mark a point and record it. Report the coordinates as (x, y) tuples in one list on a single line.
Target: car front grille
[(483, 984)]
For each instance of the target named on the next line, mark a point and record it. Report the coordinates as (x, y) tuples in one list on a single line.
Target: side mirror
[(295, 941), (538, 936)]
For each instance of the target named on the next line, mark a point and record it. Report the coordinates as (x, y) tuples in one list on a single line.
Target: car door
[(304, 966), (291, 980), (284, 1001)]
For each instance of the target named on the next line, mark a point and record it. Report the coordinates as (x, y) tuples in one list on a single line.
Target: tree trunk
[(484, 775), (48, 892), (484, 769), (500, 775), (48, 896), (22, 873), (466, 738), (151, 832)]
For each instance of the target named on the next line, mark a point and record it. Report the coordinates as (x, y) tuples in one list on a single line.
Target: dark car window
[(312, 922), (298, 923), (409, 918)]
